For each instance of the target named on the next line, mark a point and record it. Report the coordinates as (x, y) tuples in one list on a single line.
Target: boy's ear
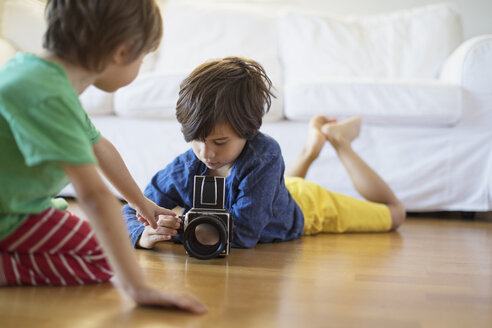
[(120, 55)]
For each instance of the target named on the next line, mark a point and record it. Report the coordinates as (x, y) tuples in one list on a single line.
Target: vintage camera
[(207, 214)]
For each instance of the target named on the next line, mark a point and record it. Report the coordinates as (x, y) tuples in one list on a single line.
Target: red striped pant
[(53, 248)]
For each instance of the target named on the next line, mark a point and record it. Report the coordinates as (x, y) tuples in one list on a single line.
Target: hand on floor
[(153, 297)]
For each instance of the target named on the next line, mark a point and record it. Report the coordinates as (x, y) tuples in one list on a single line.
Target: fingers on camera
[(160, 237), (166, 218), (165, 231), (171, 222)]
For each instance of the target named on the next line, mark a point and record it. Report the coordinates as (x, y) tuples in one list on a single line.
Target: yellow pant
[(325, 211)]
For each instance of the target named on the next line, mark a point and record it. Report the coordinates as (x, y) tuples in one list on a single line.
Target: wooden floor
[(433, 272)]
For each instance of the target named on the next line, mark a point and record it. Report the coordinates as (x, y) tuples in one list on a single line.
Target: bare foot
[(342, 133), (316, 139)]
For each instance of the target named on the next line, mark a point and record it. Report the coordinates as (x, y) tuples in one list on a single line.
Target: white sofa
[(424, 94)]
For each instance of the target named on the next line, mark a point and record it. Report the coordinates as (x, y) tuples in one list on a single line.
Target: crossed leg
[(365, 180)]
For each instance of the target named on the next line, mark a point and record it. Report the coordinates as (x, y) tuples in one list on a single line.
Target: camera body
[(207, 212)]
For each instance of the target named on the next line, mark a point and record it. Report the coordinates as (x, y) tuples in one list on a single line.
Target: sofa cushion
[(7, 51), (197, 32), (149, 96), (23, 24), (423, 102), (155, 95), (406, 44)]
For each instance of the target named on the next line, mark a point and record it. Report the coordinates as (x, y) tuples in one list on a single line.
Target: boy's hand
[(167, 226), (148, 212), (152, 297)]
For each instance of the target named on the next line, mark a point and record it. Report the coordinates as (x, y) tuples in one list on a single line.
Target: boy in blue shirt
[(220, 108)]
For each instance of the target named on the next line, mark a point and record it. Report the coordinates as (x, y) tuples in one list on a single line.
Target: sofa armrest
[(470, 65)]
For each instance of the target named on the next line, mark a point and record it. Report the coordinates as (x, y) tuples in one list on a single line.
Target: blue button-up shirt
[(255, 194)]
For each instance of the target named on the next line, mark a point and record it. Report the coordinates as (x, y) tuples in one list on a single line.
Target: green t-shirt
[(42, 125)]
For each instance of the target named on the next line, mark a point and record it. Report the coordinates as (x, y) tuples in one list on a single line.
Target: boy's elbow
[(398, 215), (243, 243)]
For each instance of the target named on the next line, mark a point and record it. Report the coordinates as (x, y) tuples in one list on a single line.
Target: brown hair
[(230, 90), (88, 32)]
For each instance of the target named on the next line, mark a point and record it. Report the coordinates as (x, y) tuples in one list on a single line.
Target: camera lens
[(206, 234), (196, 246)]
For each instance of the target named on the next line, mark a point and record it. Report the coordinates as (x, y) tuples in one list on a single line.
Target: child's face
[(119, 74), (220, 149)]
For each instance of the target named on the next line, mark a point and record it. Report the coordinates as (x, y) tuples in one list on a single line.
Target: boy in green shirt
[(47, 140)]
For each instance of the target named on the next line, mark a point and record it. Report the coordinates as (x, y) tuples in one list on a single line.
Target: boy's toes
[(318, 121), (347, 130)]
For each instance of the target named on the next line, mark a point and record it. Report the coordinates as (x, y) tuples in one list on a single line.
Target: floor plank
[(433, 272)]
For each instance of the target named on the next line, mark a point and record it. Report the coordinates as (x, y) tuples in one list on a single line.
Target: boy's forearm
[(115, 170), (104, 213)]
